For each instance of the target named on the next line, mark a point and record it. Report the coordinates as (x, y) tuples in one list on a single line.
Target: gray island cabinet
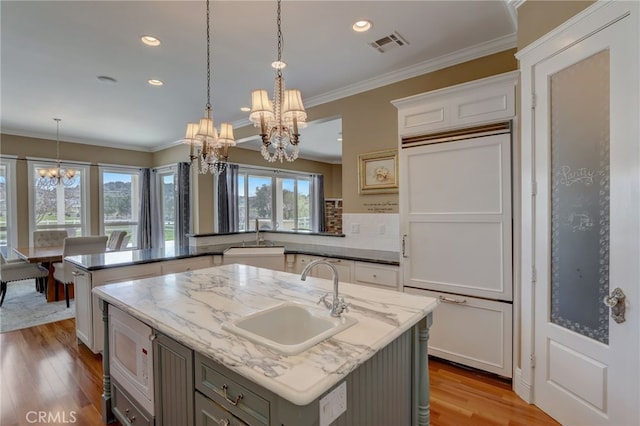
[(372, 373)]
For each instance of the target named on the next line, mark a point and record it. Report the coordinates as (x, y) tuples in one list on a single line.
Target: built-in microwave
[(131, 356)]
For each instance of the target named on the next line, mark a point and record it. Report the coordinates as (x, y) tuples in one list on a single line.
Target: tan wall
[(538, 17), (24, 147)]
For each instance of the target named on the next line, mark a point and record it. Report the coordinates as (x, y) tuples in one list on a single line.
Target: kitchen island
[(382, 359)]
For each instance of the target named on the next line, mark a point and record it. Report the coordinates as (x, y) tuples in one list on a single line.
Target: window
[(279, 200), (8, 218), (166, 184), (120, 201), (61, 206)]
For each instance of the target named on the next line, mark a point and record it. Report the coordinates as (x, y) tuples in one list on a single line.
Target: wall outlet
[(333, 404), (382, 229), (355, 228)]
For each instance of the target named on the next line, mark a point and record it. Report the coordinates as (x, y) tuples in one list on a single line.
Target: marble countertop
[(133, 257), (191, 307)]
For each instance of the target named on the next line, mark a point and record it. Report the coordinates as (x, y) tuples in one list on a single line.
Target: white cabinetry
[(456, 216), (376, 275), (189, 264), (343, 266), (471, 331), (270, 261), (82, 290), (470, 104)]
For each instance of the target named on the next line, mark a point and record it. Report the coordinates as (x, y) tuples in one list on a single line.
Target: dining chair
[(17, 271), (73, 246), (125, 242), (115, 240), (49, 238)]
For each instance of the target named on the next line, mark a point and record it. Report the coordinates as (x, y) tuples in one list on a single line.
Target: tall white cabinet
[(456, 216)]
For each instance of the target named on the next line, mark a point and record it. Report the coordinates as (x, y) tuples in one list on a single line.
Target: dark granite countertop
[(115, 259)]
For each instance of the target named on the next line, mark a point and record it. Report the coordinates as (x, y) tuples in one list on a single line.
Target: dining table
[(46, 256)]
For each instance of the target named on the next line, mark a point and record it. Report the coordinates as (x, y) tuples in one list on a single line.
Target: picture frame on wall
[(378, 172)]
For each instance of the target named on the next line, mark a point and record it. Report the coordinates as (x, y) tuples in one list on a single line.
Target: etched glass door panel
[(579, 96)]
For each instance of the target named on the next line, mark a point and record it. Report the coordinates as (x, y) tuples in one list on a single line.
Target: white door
[(587, 227)]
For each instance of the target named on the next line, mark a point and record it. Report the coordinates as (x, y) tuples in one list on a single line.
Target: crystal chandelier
[(211, 148), (279, 120), (51, 178)]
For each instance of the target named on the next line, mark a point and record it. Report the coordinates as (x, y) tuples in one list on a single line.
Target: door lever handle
[(616, 302)]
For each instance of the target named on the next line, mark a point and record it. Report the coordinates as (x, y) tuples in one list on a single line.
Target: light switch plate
[(333, 404), (355, 228)]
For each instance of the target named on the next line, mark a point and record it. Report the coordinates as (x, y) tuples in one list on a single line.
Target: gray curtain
[(228, 199), (157, 222), (183, 219), (317, 195), (144, 220)]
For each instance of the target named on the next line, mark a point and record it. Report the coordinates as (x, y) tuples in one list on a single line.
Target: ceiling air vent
[(385, 43)]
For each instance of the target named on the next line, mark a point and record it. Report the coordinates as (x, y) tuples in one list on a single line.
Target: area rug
[(24, 307)]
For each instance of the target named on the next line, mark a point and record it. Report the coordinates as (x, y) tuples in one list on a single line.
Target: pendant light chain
[(208, 61), (280, 119), (279, 24), (57, 141)]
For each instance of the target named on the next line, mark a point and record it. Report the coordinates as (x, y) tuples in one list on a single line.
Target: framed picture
[(378, 172)]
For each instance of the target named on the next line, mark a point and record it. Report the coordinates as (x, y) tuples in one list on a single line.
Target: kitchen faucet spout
[(337, 305)]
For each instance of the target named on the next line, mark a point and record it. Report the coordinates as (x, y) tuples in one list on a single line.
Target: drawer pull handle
[(224, 422), (229, 400), (452, 300), (77, 274), (131, 419)]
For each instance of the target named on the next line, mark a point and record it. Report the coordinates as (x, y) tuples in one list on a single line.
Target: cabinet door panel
[(474, 332), (456, 213)]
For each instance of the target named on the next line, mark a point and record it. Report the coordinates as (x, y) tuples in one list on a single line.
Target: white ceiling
[(53, 51)]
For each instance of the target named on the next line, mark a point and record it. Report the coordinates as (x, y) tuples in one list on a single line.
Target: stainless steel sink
[(289, 328)]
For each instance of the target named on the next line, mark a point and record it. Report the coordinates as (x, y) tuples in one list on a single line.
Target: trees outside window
[(120, 200), (280, 201), (62, 206)]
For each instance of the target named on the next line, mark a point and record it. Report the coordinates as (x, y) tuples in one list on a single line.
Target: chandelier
[(51, 178), (279, 120), (206, 145)]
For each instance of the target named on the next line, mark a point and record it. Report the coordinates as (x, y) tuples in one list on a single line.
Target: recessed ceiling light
[(150, 40), (155, 82), (362, 26), (106, 79), (245, 109)]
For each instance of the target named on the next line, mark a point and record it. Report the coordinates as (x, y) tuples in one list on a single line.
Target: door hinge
[(533, 101), (534, 188), (534, 275), (532, 358)]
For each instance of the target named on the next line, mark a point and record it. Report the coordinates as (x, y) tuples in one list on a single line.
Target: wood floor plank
[(44, 368)]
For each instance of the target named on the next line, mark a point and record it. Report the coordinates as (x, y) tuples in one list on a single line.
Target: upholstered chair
[(18, 271), (73, 246), (115, 240), (52, 238)]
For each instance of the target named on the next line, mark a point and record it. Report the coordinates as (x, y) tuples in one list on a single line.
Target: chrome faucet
[(337, 305)]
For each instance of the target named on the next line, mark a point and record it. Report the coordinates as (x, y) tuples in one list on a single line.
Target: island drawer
[(234, 396), (126, 410), (209, 413)]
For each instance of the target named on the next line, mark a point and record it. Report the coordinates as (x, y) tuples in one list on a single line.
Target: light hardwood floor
[(44, 370)]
